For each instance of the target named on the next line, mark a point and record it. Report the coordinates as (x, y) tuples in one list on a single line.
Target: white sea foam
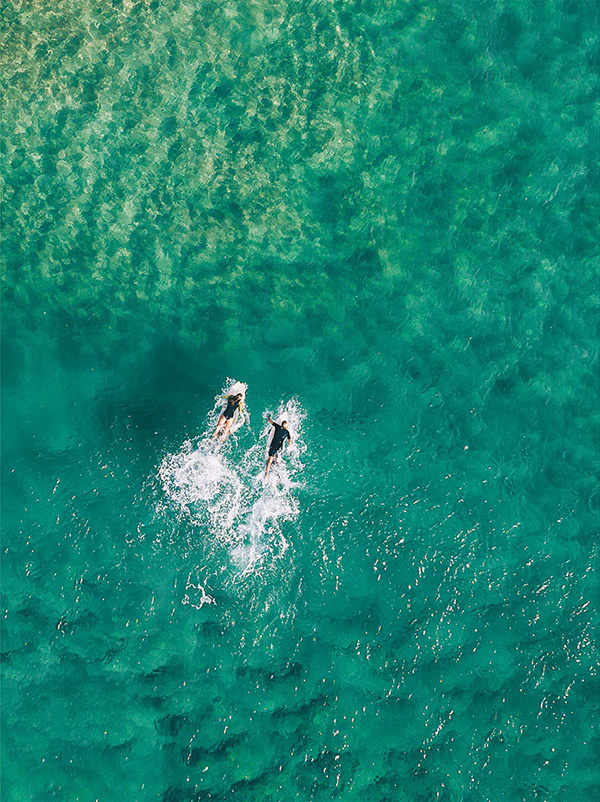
[(195, 592), (224, 492), (199, 480)]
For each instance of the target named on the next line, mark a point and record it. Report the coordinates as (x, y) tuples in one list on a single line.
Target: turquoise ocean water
[(381, 215)]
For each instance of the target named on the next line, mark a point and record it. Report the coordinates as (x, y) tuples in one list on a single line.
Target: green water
[(384, 214)]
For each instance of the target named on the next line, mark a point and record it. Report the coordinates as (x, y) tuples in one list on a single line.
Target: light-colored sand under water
[(383, 215)]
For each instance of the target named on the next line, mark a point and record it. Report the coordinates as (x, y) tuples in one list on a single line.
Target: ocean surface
[(383, 217)]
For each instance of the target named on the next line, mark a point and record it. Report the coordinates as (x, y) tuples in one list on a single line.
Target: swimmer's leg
[(269, 461), (219, 424), (226, 429)]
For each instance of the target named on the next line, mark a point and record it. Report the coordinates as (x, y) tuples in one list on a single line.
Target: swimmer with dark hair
[(235, 403), (280, 436)]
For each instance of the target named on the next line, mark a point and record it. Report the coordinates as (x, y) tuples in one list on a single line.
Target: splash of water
[(224, 492), (195, 592)]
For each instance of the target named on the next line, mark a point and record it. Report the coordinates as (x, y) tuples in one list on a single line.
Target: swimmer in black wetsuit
[(234, 402), (280, 435)]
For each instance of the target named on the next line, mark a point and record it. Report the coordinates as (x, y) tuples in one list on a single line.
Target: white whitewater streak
[(196, 595), (200, 481), (224, 491)]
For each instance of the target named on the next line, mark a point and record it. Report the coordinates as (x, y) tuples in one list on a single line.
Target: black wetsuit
[(279, 437), (233, 404)]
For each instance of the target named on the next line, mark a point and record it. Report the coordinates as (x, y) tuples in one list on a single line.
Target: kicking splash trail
[(274, 500), (220, 490)]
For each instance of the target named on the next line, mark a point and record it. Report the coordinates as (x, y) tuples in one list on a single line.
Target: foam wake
[(221, 490)]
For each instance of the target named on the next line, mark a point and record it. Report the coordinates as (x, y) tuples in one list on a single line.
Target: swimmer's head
[(284, 424)]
